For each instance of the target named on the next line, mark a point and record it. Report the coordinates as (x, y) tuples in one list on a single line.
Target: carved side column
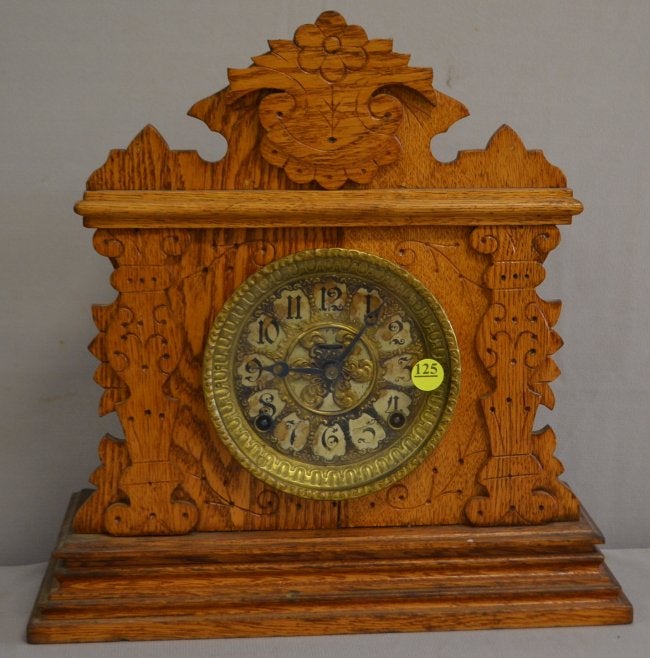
[(140, 345), (515, 341)]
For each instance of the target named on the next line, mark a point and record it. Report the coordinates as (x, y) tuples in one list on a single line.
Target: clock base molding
[(268, 583)]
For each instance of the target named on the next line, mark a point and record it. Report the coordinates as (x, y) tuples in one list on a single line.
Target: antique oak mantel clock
[(326, 354)]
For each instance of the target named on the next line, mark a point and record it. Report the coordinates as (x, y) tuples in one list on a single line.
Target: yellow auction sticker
[(427, 374)]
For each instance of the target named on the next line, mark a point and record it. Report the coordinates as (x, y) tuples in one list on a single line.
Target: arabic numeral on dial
[(373, 302), (329, 298), (368, 436), (292, 433), (395, 327), (264, 420), (331, 438), (393, 402), (366, 432), (329, 442), (396, 418), (292, 428), (293, 307), (268, 408), (254, 370), (269, 332)]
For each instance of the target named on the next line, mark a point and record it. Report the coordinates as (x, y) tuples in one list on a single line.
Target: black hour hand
[(282, 369)]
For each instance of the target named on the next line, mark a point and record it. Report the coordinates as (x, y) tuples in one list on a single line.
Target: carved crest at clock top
[(329, 117)]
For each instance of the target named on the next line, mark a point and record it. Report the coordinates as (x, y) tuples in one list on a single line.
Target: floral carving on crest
[(327, 115), (331, 48)]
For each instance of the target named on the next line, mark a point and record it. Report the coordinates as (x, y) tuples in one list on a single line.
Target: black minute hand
[(370, 319)]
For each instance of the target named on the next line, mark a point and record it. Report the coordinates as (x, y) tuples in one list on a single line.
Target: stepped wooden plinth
[(258, 583)]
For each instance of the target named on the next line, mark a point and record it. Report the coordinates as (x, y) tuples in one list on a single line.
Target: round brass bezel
[(374, 471)]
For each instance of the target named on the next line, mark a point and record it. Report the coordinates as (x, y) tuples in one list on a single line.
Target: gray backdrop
[(79, 77)]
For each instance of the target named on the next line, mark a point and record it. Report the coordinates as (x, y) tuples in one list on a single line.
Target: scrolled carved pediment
[(327, 114)]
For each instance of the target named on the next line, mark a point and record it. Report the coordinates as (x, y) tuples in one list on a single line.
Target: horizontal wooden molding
[(371, 207)]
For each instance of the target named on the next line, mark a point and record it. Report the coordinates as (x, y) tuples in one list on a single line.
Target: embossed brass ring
[(313, 373)]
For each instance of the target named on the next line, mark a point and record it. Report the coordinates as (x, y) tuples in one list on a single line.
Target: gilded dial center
[(308, 373), (338, 369)]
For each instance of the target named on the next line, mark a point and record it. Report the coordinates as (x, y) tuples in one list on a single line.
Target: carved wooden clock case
[(281, 471)]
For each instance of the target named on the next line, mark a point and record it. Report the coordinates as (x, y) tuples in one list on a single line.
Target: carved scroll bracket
[(515, 341), (140, 344)]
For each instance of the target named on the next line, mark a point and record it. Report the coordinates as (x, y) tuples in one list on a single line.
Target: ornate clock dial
[(310, 373)]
